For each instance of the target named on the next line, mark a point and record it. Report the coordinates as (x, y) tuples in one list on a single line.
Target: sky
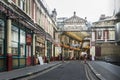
[(92, 9)]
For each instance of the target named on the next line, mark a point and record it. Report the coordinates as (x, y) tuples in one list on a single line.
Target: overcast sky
[(92, 9)]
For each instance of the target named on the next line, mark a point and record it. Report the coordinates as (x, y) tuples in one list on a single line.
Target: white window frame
[(101, 34), (22, 5)]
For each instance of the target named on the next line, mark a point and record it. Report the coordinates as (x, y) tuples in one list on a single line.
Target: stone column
[(92, 45), (9, 54), (34, 57), (106, 36)]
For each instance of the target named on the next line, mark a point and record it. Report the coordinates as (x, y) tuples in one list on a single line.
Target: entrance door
[(28, 49), (97, 51), (28, 54), (49, 50)]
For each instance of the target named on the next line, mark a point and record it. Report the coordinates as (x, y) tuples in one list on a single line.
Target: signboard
[(29, 39), (40, 60)]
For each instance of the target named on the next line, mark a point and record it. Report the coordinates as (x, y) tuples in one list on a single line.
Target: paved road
[(73, 70)]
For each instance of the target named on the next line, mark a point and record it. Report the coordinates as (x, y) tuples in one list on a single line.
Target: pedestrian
[(85, 57)]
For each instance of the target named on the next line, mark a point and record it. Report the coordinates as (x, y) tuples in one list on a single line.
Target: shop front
[(39, 47), (49, 44), (19, 38), (29, 49), (16, 40), (21, 45)]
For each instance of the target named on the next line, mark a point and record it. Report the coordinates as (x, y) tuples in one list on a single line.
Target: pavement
[(104, 70), (26, 71)]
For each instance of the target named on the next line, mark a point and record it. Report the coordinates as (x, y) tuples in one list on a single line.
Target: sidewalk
[(26, 71), (104, 70)]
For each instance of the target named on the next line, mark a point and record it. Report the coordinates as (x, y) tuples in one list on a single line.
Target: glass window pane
[(111, 35), (22, 4), (22, 36), (14, 33), (14, 48), (22, 49), (22, 42), (28, 50), (99, 34), (2, 24), (1, 47)]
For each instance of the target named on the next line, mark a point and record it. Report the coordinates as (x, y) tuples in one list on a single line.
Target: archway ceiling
[(77, 35)]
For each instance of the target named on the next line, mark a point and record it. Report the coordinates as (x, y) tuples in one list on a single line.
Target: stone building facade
[(27, 31), (103, 34)]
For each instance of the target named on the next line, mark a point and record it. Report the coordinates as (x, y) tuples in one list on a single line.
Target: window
[(2, 24), (22, 43), (14, 48), (1, 47), (14, 37), (22, 4), (99, 34), (22, 36), (28, 44), (111, 35), (28, 50)]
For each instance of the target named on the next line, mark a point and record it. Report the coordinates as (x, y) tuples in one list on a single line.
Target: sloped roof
[(110, 18), (75, 19)]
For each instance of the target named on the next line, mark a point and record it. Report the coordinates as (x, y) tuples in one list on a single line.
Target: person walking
[(85, 57)]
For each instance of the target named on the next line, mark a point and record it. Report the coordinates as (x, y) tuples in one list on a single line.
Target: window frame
[(16, 41), (2, 37), (22, 50)]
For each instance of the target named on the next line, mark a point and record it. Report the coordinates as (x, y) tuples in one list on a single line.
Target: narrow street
[(73, 70)]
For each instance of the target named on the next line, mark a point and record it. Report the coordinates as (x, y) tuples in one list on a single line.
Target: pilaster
[(9, 54)]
